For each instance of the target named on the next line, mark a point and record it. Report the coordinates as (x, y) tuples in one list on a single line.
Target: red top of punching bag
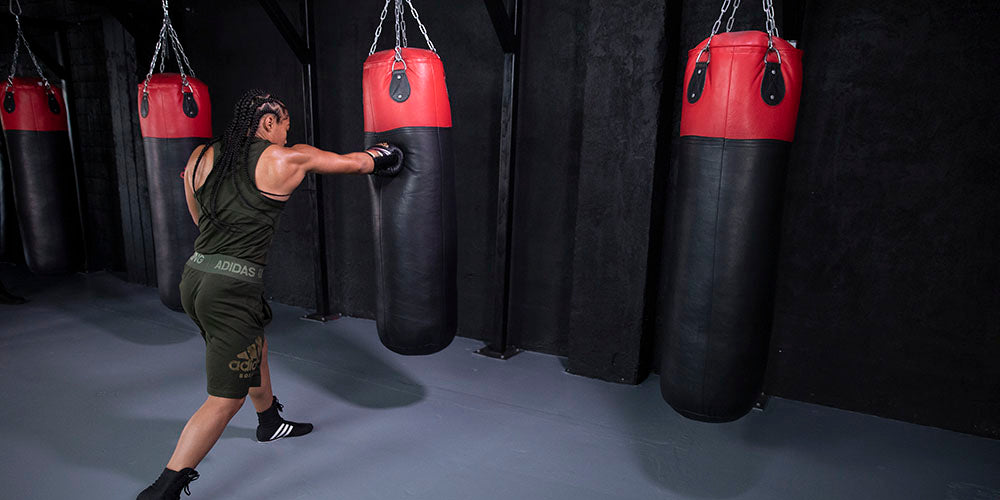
[(427, 104), (731, 105), (31, 107), (167, 117)]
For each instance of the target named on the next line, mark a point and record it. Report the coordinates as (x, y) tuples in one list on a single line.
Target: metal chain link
[(399, 12), (178, 47), (21, 39), (732, 17), (156, 54), (423, 29), (13, 62), (400, 28), (378, 30), (181, 56), (718, 22), (769, 24), (401, 25), (772, 29), (715, 29), (168, 40), (396, 16), (34, 61)]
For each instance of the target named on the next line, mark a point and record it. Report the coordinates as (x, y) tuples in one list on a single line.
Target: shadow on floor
[(84, 429), (326, 356), (688, 458)]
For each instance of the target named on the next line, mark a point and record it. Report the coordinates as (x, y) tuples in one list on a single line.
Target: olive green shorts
[(225, 298)]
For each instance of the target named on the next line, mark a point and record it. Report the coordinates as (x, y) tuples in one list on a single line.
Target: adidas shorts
[(231, 313)]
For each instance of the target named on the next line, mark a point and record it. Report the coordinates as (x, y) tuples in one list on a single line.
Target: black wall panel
[(887, 287), (626, 45), (550, 136)]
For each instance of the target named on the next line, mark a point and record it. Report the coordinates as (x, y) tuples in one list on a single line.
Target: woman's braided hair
[(253, 105)]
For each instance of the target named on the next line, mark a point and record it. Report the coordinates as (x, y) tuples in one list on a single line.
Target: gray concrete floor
[(98, 379)]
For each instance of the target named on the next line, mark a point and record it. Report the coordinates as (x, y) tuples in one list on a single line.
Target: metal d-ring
[(705, 49), (770, 47), (394, 61)]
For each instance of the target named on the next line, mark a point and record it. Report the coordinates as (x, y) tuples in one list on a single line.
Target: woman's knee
[(226, 405)]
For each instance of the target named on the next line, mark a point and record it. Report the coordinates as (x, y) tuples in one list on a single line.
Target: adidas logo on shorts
[(247, 361)]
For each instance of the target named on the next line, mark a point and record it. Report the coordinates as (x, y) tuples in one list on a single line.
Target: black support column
[(304, 48), (74, 144), (507, 24), (130, 162)]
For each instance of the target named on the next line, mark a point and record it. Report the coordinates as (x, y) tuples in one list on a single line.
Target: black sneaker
[(272, 427), (169, 485)]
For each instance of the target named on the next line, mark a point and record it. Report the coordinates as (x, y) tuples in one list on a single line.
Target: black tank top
[(248, 218)]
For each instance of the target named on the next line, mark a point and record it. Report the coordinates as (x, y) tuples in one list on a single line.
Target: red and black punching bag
[(406, 104), (175, 116), (41, 169), (7, 213), (737, 124)]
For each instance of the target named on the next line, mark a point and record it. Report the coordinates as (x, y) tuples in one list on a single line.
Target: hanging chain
[(402, 22), (395, 13), (732, 17), (715, 29), (13, 63), (400, 29), (772, 29), (423, 29), (718, 22), (156, 53), (168, 40), (378, 30), (769, 25), (21, 39), (181, 56), (34, 61), (399, 12)]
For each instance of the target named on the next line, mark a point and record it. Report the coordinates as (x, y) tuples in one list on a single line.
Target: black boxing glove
[(388, 159)]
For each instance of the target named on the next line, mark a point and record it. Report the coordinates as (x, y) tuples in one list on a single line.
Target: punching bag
[(41, 169), (737, 123), (7, 213), (406, 104), (175, 116)]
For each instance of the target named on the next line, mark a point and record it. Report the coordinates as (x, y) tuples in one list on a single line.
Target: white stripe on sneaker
[(278, 431), (288, 430)]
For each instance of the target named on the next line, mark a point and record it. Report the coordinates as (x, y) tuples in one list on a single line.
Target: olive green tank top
[(245, 219)]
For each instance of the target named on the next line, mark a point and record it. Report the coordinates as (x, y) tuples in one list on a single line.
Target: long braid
[(253, 105)]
